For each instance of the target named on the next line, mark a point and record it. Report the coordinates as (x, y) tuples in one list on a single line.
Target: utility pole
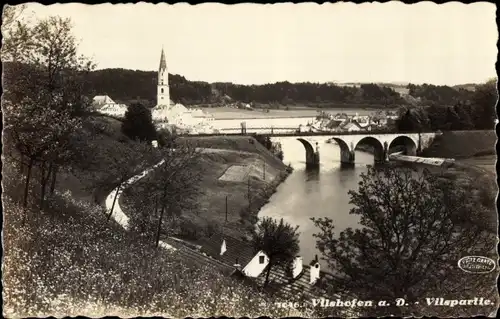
[(249, 198), (264, 170), (226, 208)]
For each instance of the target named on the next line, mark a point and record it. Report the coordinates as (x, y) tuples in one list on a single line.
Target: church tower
[(163, 94)]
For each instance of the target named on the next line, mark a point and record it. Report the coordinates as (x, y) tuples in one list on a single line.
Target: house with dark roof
[(236, 258), (192, 253), (247, 263), (351, 126), (235, 252), (335, 124)]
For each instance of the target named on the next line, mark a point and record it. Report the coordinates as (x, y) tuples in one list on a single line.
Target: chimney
[(237, 264), (297, 266), (314, 271), (223, 247)]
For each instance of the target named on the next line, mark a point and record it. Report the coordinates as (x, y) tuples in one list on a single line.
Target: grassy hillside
[(103, 134), (235, 143), (68, 260), (462, 144), (256, 171), (71, 261)]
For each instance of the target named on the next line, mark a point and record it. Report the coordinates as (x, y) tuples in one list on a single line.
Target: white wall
[(114, 109), (254, 268), (297, 266), (314, 273)]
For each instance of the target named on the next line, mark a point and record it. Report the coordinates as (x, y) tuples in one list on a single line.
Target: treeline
[(429, 94), (477, 112), (132, 85)]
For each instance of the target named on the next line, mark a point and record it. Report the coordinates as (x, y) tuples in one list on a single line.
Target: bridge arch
[(378, 147), (346, 154), (310, 153), (403, 143)]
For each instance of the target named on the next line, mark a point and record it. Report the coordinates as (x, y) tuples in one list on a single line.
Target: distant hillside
[(126, 85)]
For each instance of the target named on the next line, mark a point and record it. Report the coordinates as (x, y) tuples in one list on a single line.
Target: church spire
[(163, 61), (163, 94)]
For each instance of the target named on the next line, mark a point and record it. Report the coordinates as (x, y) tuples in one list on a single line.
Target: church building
[(162, 109), (167, 113), (163, 94)]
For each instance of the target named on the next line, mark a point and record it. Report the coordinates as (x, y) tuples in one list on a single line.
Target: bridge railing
[(276, 132)]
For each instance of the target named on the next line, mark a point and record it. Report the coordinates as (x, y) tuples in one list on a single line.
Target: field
[(463, 144), (486, 162), (234, 168), (223, 113)]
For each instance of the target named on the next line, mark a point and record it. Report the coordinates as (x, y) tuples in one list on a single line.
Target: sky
[(254, 44)]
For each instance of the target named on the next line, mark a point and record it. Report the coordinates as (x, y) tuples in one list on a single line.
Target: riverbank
[(240, 176)]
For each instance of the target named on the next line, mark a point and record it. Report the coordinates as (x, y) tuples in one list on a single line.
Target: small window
[(161, 90), (317, 265), (261, 260)]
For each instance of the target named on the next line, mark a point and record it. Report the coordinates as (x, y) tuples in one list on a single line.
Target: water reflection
[(312, 174)]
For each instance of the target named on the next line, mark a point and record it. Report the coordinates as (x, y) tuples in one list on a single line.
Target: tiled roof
[(334, 123), (284, 285), (237, 251), (280, 282), (199, 258)]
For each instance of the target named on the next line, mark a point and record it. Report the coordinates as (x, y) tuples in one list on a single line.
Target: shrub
[(187, 229)]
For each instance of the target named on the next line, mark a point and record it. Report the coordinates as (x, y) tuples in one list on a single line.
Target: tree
[(437, 116), (413, 119), (464, 120), (452, 119), (483, 104), (15, 32), (278, 240), (122, 162), (167, 138), (172, 188), (412, 237), (138, 123), (44, 84)]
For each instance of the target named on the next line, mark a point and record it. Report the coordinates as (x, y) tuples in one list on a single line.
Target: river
[(305, 194)]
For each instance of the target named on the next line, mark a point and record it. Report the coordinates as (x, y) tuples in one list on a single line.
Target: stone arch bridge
[(411, 144)]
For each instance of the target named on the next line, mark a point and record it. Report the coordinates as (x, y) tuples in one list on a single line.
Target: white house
[(235, 252), (252, 264), (104, 104), (351, 126), (100, 100)]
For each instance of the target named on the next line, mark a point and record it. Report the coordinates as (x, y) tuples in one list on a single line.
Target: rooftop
[(237, 251)]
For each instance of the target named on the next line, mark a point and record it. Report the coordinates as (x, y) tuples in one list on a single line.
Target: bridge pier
[(381, 155), (312, 158), (347, 158)]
